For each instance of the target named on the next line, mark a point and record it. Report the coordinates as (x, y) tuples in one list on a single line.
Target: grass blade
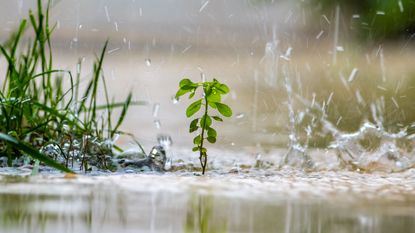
[(32, 152)]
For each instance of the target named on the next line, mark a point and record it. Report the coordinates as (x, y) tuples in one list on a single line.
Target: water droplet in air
[(148, 62), (202, 77), (400, 6), (164, 140), (240, 116), (340, 48), (157, 124), (156, 108)]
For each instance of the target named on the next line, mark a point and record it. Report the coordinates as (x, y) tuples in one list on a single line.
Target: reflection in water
[(200, 217), (180, 204)]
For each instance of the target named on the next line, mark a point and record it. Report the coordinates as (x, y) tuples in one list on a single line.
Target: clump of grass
[(37, 110), (212, 97)]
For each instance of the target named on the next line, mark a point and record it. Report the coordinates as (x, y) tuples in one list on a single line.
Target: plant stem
[(203, 155)]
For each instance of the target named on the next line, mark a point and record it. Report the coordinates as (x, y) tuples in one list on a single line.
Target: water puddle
[(280, 201)]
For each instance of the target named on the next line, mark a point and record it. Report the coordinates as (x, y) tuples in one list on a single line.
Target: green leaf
[(208, 122), (207, 89), (185, 82), (212, 133), (211, 139), (34, 153), (214, 97), (193, 125), (197, 140), (181, 92), (212, 104), (224, 109), (193, 108), (194, 149), (217, 118), (192, 94), (222, 88)]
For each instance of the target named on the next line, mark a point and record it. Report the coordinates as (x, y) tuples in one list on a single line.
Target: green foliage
[(40, 104), (378, 18), (212, 97)]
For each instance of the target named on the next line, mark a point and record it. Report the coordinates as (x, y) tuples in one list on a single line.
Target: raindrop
[(157, 124), (240, 116), (382, 64), (340, 48), (164, 140), (400, 6), (107, 15), (382, 88), (203, 6), (202, 77), (156, 108), (353, 74), (380, 12), (113, 50), (395, 102), (148, 61), (75, 39), (287, 55), (359, 98), (330, 98), (187, 48), (319, 34)]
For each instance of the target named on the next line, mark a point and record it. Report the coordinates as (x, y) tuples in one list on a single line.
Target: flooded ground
[(277, 201), (236, 195)]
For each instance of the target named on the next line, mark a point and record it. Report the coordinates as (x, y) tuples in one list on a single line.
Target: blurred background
[(348, 57)]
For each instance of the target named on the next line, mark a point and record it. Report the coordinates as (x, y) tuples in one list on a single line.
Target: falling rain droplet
[(157, 124), (203, 6), (240, 116), (156, 108), (353, 74), (148, 62), (107, 14), (400, 6)]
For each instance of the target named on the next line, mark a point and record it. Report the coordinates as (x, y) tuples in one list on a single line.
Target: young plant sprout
[(212, 93)]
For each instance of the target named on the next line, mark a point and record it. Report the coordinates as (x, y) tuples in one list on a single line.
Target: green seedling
[(211, 97)]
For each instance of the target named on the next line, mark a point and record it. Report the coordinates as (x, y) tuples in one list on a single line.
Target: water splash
[(297, 153), (370, 148)]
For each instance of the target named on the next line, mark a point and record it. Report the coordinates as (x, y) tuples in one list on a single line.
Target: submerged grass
[(36, 108)]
